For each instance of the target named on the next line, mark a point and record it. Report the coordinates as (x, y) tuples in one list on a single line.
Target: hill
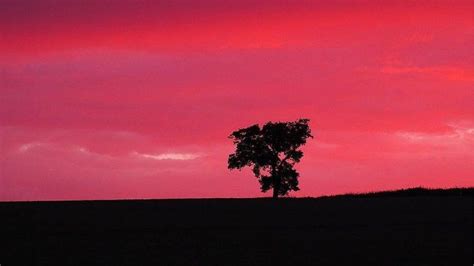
[(408, 227)]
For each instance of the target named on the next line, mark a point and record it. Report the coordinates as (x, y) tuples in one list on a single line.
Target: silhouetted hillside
[(407, 227), (417, 191)]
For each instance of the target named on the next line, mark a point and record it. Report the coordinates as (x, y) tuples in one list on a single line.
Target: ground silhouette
[(410, 227)]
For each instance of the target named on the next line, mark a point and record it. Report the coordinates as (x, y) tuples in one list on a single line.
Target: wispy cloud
[(168, 156), (28, 146), (83, 151), (460, 134), (452, 73), (41, 147)]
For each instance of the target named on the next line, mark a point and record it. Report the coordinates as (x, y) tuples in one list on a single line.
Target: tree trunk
[(276, 182), (275, 193)]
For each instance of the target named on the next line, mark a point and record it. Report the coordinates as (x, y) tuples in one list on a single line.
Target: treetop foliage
[(271, 151)]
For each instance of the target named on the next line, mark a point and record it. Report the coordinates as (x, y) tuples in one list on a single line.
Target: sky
[(136, 99)]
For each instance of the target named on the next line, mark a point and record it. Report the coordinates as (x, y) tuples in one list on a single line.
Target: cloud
[(28, 146), (52, 150), (448, 72), (461, 134), (168, 156)]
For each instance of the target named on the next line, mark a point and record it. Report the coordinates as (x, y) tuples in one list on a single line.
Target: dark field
[(423, 228)]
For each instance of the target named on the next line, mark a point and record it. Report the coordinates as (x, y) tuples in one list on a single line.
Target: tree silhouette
[(271, 151)]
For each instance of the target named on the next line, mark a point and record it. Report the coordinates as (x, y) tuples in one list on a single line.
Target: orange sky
[(135, 99)]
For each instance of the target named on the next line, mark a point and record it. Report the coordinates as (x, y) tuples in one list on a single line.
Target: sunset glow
[(136, 99)]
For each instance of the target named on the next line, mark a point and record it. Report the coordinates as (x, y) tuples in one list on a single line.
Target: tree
[(272, 152)]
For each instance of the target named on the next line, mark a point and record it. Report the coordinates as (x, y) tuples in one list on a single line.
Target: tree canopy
[(272, 152)]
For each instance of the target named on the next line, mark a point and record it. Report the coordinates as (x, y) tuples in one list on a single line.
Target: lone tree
[(271, 151)]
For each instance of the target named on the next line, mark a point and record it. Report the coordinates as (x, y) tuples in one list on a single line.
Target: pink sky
[(135, 99)]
